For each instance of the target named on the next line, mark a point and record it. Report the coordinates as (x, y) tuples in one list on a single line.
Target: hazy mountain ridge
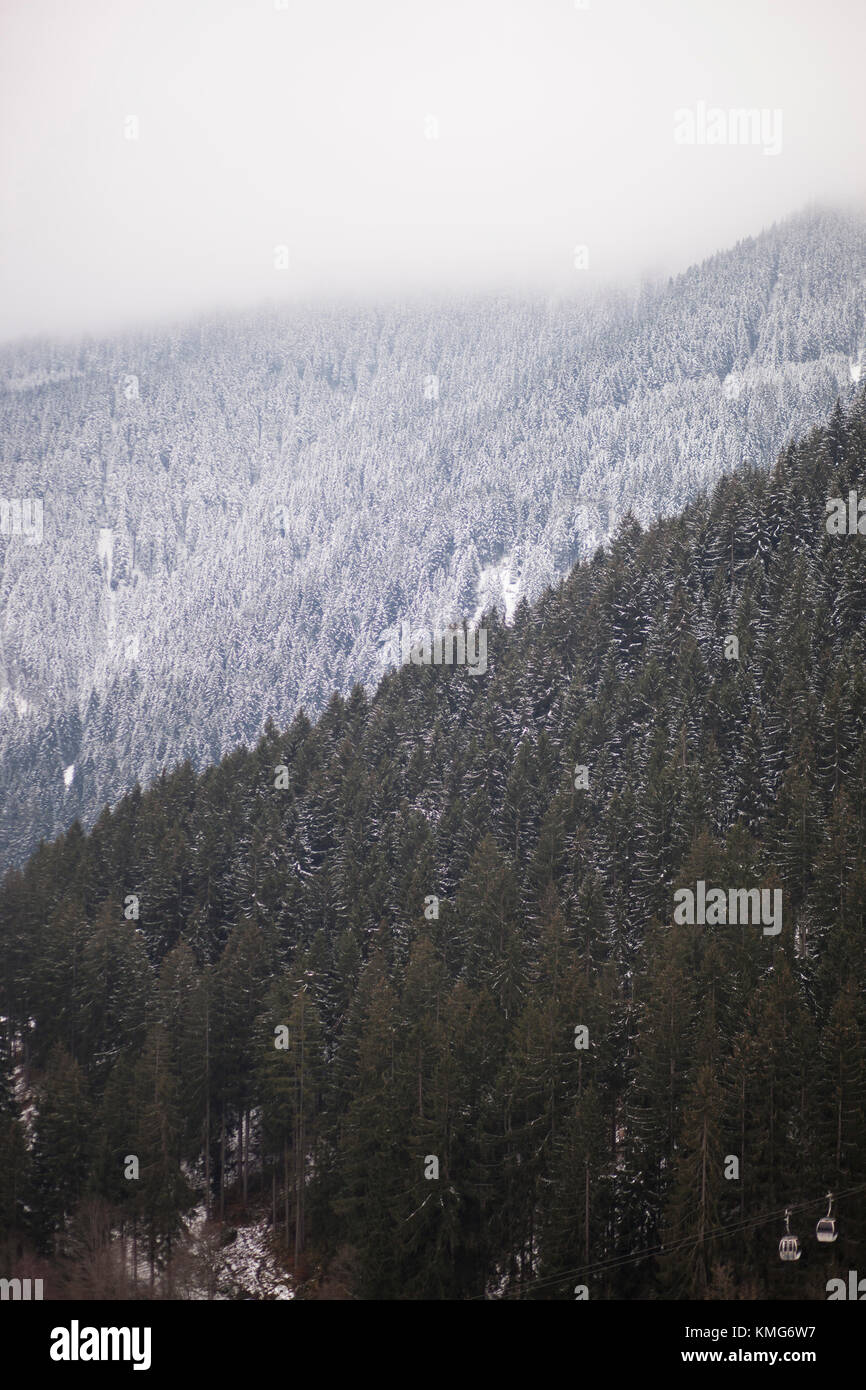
[(274, 492)]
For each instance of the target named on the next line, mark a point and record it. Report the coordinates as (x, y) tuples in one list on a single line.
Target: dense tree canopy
[(433, 941), (236, 511)]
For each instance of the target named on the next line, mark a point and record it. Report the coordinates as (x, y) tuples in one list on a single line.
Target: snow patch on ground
[(249, 1268), (105, 550), (22, 706), (234, 1263), (242, 1268), (69, 775), (499, 586)]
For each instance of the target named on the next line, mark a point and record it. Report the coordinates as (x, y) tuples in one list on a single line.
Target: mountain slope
[(378, 941), (236, 512)]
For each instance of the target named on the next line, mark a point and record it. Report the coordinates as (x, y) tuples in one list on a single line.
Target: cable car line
[(826, 1231), (620, 1261)]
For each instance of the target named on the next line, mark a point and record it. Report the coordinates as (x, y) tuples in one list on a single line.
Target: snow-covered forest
[(236, 510), (420, 1021)]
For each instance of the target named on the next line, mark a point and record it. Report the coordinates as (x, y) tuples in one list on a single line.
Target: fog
[(164, 158)]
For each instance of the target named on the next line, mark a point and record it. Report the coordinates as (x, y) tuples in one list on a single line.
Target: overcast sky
[(392, 145)]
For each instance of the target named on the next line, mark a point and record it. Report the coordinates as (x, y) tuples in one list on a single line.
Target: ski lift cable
[(618, 1261), (732, 1228)]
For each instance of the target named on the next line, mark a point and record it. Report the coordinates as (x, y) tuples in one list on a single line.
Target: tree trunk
[(245, 1127), (300, 1184), (586, 1215), (286, 1185), (222, 1163), (207, 1179)]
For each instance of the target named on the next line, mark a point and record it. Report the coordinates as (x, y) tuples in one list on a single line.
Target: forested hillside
[(374, 941), (235, 511)]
